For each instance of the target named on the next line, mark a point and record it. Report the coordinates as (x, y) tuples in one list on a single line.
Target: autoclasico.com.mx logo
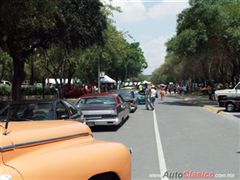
[(192, 175)]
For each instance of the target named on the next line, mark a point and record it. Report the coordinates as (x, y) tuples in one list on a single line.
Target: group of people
[(151, 93)]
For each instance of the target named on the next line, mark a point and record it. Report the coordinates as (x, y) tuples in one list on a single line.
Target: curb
[(213, 109)]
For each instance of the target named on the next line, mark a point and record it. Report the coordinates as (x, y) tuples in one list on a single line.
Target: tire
[(230, 107), (105, 176)]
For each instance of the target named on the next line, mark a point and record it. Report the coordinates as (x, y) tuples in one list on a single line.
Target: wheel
[(105, 176), (230, 107)]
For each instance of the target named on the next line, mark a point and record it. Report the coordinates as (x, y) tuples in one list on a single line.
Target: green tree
[(27, 25), (207, 42), (117, 58), (5, 66)]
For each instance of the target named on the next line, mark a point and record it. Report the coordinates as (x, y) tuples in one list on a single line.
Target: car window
[(120, 99), (105, 100), (2, 105), (30, 111), (126, 95), (61, 110), (3, 114), (71, 108), (238, 86)]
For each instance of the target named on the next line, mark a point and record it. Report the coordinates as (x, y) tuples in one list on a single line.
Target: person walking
[(162, 92), (148, 102), (153, 94)]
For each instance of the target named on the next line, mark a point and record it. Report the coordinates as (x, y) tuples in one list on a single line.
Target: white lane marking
[(161, 159)]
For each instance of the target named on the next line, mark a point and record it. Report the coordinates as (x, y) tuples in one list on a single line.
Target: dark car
[(41, 110), (103, 109), (129, 96), (230, 103), (3, 104)]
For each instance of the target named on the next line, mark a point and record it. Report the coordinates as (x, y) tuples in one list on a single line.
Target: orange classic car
[(59, 149)]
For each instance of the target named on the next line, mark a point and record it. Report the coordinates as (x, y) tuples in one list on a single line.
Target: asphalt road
[(179, 140)]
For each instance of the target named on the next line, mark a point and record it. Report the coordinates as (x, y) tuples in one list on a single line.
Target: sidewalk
[(203, 102), (210, 105)]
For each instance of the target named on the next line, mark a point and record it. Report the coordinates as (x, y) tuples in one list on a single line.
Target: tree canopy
[(206, 44), (27, 25), (64, 39)]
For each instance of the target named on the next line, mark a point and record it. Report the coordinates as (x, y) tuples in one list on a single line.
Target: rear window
[(105, 100), (126, 95)]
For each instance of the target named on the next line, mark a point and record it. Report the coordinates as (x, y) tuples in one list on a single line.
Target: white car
[(228, 92)]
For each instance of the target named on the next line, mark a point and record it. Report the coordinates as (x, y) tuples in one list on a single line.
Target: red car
[(103, 109), (75, 90)]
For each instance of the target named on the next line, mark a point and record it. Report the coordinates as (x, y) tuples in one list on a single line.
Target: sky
[(150, 22)]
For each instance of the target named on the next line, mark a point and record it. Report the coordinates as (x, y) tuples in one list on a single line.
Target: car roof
[(99, 95)]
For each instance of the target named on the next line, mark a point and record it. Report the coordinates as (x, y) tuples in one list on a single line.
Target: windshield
[(33, 111), (126, 95), (105, 100)]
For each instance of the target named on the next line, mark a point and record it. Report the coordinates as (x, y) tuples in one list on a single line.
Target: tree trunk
[(18, 77)]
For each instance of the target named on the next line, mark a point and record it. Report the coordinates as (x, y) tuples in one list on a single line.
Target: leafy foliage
[(206, 46), (27, 25)]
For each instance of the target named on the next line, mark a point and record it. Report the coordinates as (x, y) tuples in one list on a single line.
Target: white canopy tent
[(107, 79), (146, 82)]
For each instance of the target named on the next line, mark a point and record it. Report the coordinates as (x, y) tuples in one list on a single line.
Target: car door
[(74, 112), (62, 111), (124, 107), (237, 90)]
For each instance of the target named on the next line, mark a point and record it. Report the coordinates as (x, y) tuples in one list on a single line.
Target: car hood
[(29, 133), (224, 91)]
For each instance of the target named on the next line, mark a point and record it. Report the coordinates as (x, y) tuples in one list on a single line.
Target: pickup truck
[(59, 149), (230, 103), (219, 94)]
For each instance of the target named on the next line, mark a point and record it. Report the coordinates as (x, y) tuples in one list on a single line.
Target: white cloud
[(166, 8), (135, 11), (154, 14), (155, 52), (132, 11)]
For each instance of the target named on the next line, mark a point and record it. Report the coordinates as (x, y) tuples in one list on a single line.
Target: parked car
[(128, 96), (140, 97), (219, 94), (41, 110), (103, 109), (58, 149), (75, 90), (3, 104), (230, 103)]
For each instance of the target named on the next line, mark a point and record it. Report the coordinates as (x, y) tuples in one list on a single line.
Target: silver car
[(103, 109)]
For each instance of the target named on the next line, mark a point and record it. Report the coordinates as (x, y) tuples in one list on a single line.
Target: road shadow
[(237, 116), (187, 101), (179, 103)]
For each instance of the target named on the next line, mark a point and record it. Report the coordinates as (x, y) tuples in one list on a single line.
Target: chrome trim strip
[(31, 143)]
